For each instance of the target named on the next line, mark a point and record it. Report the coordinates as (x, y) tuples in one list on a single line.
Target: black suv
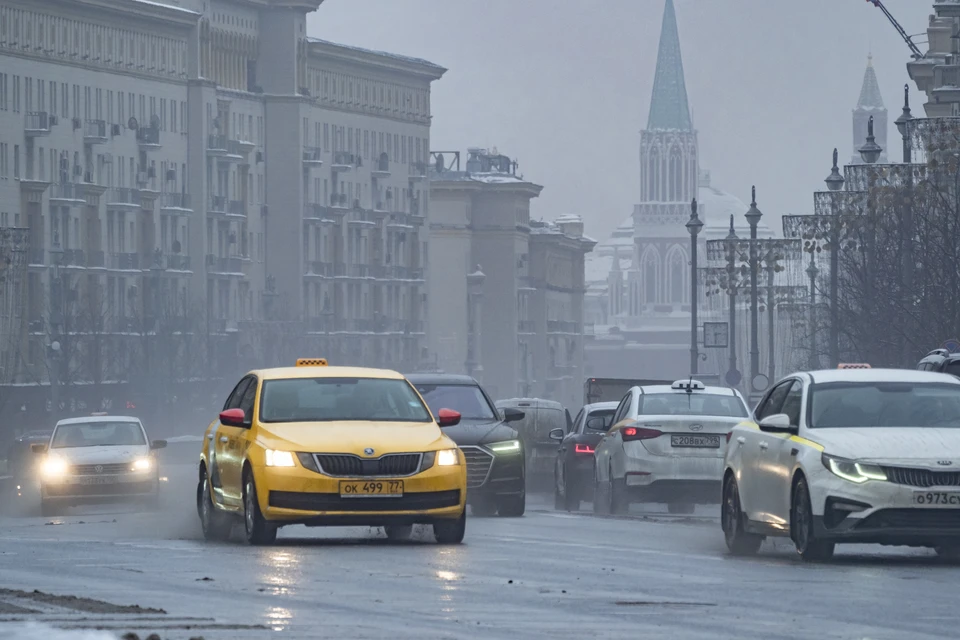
[(495, 472), (941, 361)]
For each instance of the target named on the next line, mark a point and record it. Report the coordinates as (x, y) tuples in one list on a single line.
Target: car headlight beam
[(854, 472), (142, 464), (505, 447), (279, 458), (448, 457), (54, 467)]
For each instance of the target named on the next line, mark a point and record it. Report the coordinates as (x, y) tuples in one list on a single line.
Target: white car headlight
[(54, 467), (448, 458), (855, 472), (142, 464), (506, 446), (279, 458)]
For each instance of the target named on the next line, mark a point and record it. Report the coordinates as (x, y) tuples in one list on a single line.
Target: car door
[(226, 479), (777, 461), (605, 448), (749, 443), (564, 451), (237, 442)]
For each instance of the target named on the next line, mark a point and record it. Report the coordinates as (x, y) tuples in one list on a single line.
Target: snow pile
[(37, 631)]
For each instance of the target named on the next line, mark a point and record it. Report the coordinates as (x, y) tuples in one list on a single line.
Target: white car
[(666, 444), (864, 456), (96, 459)]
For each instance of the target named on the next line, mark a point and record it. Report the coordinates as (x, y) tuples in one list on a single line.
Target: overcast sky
[(563, 86)]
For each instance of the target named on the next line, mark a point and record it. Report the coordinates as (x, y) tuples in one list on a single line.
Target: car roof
[(442, 378), (284, 373), (880, 375), (89, 419), (600, 406), (662, 388)]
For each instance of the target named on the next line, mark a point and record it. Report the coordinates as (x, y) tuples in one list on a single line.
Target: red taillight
[(729, 435), (640, 433), (583, 448)]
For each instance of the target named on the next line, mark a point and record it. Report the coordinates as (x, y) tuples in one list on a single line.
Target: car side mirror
[(513, 415), (38, 447), (557, 434), (448, 418), (158, 444), (232, 418), (777, 423)]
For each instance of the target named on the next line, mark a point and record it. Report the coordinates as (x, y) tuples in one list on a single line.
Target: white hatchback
[(96, 459), (666, 444), (864, 456)]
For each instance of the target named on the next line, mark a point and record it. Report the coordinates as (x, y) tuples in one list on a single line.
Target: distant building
[(505, 292), (869, 105), (937, 74)]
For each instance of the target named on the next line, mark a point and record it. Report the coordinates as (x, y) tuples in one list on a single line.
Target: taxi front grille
[(100, 469), (422, 501), (350, 466), (923, 478), (479, 463)]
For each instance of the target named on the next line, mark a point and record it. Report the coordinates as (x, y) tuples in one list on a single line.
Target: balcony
[(148, 138), (314, 211), (312, 157), (177, 262), (96, 260), (220, 205), (403, 273), (72, 258), (95, 132), (344, 161), (561, 326), (175, 203), (66, 193), (226, 149), (382, 167), (228, 266), (37, 123), (124, 197), (125, 261), (358, 271), (417, 171), (326, 269), (527, 326)]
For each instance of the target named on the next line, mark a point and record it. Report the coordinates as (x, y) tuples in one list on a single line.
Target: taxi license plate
[(98, 480), (942, 499), (371, 489), (695, 442)]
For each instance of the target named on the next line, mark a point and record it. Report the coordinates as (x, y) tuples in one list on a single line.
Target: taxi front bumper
[(295, 495)]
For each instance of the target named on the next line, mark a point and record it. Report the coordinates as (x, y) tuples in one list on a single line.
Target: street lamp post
[(901, 123), (694, 226), (731, 249), (870, 153), (474, 295), (813, 271), (834, 183), (753, 219), (56, 318)]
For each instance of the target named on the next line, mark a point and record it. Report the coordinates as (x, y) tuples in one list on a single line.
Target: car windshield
[(98, 434), (341, 400), (692, 404), (884, 404), (599, 420), (467, 399)]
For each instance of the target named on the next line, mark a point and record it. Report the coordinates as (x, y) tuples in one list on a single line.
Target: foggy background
[(563, 86)]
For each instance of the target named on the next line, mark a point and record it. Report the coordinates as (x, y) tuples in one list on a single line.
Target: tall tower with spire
[(869, 104)]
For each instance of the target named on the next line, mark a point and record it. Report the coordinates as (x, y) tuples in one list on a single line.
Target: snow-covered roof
[(384, 54)]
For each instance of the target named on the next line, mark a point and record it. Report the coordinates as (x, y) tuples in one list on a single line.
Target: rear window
[(692, 404)]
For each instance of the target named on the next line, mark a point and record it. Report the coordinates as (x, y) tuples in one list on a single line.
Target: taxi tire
[(398, 532), (513, 506), (216, 525), (739, 542), (255, 527), (451, 531), (801, 527)]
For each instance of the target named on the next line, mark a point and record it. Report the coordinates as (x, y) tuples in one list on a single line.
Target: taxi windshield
[(884, 404), (341, 400), (691, 404), (98, 434)]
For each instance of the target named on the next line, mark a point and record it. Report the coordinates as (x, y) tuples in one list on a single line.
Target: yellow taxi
[(330, 446)]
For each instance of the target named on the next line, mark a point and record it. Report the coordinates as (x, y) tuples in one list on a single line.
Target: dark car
[(496, 481), (573, 472), (20, 457), (941, 361)]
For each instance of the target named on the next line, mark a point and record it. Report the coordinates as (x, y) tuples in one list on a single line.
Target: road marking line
[(577, 545)]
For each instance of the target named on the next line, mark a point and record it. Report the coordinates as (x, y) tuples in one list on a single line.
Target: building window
[(651, 275), (678, 275)]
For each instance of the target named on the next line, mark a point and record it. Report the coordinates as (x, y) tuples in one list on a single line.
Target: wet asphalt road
[(548, 574)]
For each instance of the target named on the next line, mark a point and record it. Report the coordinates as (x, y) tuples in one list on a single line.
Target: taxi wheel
[(256, 527), (513, 506), (216, 525), (801, 527), (398, 532), (739, 542), (559, 498), (451, 531)]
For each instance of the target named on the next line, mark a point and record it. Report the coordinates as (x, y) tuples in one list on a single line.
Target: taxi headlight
[(448, 458), (54, 467), (142, 464), (855, 472), (505, 447), (279, 458)]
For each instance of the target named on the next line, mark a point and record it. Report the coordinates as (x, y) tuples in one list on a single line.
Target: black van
[(941, 361)]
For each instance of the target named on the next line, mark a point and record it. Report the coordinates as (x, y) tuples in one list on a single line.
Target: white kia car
[(666, 445), (97, 459), (864, 456)]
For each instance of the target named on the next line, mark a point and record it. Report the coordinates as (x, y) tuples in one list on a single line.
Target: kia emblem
[(944, 463), (696, 427), (368, 451), (98, 468)]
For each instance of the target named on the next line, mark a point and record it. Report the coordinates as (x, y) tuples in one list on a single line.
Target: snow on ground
[(37, 631)]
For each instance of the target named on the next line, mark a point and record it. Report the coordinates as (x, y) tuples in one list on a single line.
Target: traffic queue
[(852, 455)]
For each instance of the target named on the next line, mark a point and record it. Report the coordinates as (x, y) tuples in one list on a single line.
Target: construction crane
[(915, 50)]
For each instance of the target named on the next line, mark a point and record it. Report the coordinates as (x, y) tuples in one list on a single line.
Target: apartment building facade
[(205, 163)]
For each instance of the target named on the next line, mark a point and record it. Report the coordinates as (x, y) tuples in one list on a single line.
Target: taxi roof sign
[(688, 385), (311, 362), (852, 365)]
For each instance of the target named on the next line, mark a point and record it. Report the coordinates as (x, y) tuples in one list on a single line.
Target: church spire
[(870, 97), (668, 107)]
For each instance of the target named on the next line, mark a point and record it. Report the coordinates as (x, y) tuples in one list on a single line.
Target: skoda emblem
[(944, 463), (696, 427), (98, 468), (368, 451)]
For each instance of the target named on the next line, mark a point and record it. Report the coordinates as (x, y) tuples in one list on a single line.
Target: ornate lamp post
[(731, 243), (834, 183), (474, 297), (753, 216), (694, 226), (812, 272), (56, 319), (901, 123)]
